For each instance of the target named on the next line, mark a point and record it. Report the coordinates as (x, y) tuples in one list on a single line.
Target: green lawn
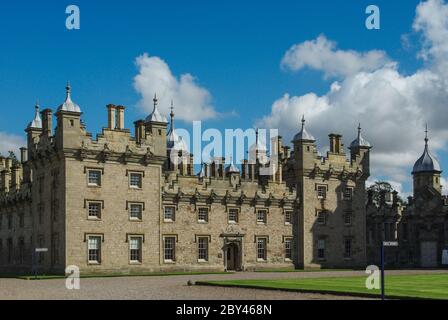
[(430, 286), (299, 270)]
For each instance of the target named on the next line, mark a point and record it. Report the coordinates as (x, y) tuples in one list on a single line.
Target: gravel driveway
[(167, 287)]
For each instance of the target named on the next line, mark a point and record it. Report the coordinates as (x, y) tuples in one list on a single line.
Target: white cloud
[(192, 102), (321, 54), (392, 108), (10, 142)]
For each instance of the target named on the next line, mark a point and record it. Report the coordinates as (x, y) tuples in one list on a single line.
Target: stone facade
[(420, 225), (117, 203)]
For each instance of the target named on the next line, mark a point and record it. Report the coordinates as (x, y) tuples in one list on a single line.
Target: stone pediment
[(233, 230)]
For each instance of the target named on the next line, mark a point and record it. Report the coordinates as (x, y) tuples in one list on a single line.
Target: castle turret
[(426, 171), (33, 131), (156, 125), (304, 145), (360, 152), (69, 126)]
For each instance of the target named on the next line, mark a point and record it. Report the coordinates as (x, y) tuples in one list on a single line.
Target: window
[(321, 249), (261, 249), (288, 217), (348, 217), (169, 248), (321, 192), (135, 180), (135, 249), (203, 249), (135, 211), (348, 193), (203, 215), (233, 215), (288, 249), (322, 217), (170, 214), (94, 210), (261, 216), (94, 178), (94, 249), (347, 248)]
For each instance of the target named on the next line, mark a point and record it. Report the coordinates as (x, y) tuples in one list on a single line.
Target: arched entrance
[(233, 248)]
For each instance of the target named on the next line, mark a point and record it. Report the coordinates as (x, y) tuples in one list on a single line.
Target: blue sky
[(233, 49)]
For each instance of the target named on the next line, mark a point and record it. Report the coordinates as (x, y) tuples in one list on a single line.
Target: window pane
[(233, 215), (203, 214), (203, 248), (95, 177), (169, 248), (136, 180), (261, 249), (169, 213), (136, 211)]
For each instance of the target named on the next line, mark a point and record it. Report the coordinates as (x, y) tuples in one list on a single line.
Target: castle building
[(120, 204), (420, 226)]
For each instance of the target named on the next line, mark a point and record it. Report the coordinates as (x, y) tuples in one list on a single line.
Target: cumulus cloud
[(192, 102), (321, 54), (10, 142), (392, 108)]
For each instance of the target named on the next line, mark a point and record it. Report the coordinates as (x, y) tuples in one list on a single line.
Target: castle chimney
[(120, 117), (140, 133), (47, 122), (23, 155), (336, 143), (111, 116)]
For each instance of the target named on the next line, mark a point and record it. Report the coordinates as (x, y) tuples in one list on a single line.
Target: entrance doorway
[(232, 255)]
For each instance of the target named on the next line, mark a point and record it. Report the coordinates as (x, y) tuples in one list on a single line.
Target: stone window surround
[(174, 214), (86, 206), (198, 208), (266, 210), (196, 240), (319, 187), (291, 239), (266, 238), (87, 235), (291, 213), (142, 241), (319, 214), (129, 174), (128, 208), (238, 213), (176, 240), (87, 170), (344, 193)]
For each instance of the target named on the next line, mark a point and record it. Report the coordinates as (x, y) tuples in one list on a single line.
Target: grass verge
[(429, 286)]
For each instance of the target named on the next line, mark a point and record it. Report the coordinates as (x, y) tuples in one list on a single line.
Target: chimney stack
[(47, 122), (120, 118), (140, 131), (111, 116), (336, 145), (23, 155)]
